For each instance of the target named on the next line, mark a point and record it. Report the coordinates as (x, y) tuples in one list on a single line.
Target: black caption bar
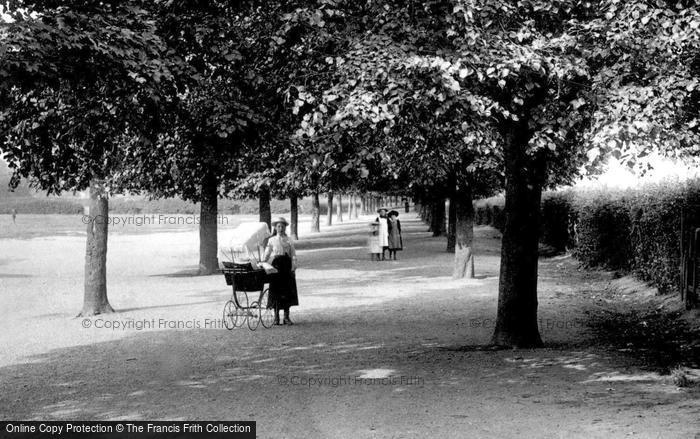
[(127, 429)]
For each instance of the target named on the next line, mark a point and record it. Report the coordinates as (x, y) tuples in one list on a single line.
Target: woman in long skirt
[(280, 254), (395, 240)]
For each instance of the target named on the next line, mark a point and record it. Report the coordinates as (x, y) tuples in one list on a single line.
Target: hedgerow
[(629, 231)]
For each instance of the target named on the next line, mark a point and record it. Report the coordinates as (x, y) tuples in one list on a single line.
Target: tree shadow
[(6, 261), (222, 373), (174, 305), (188, 272), (15, 276)]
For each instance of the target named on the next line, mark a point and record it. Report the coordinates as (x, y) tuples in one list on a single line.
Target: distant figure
[(383, 230), (373, 244), (406, 204), (395, 241), (14, 216)]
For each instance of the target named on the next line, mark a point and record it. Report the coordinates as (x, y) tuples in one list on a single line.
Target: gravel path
[(379, 349)]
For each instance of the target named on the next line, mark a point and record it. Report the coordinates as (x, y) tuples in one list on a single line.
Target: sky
[(619, 176)]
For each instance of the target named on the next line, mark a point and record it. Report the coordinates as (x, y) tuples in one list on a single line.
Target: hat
[(279, 220), (382, 208), (393, 212)]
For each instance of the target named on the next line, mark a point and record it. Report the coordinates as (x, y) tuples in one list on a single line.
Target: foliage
[(648, 59), (434, 81), (6, 191), (490, 212), (204, 130), (655, 215), (603, 231), (636, 230), (78, 81)]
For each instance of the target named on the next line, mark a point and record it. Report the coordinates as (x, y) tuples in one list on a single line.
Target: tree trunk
[(340, 208), (315, 213), (426, 215), (438, 217), (352, 208), (329, 214), (451, 224), (516, 320), (464, 233), (294, 214), (208, 209), (363, 205), (264, 206), (95, 288)]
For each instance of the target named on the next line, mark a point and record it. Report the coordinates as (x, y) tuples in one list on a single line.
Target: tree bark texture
[(340, 208), (264, 206), (516, 320), (208, 209), (438, 217), (315, 213), (352, 210), (464, 234), (95, 288), (329, 214), (294, 217), (451, 224)]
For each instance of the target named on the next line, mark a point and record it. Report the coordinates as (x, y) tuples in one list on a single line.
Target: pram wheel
[(242, 310), (230, 315), (267, 315), (253, 316)]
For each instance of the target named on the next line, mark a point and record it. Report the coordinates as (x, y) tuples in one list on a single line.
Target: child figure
[(373, 243)]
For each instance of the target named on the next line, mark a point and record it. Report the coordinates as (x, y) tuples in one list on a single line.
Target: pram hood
[(244, 243)]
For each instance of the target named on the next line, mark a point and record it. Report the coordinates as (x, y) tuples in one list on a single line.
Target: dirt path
[(380, 349)]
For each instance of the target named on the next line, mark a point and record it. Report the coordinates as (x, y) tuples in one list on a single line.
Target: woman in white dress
[(383, 231), (280, 254)]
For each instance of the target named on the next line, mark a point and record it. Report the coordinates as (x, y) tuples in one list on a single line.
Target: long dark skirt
[(283, 285)]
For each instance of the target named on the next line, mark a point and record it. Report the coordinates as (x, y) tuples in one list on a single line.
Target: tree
[(329, 212), (548, 81), (197, 154), (78, 83), (315, 212), (264, 209), (339, 208)]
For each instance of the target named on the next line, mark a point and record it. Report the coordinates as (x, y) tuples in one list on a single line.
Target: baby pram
[(248, 276)]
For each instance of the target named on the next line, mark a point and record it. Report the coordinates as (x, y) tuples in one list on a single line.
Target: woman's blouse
[(278, 246)]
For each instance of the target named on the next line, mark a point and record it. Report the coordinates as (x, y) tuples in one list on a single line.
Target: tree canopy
[(200, 99)]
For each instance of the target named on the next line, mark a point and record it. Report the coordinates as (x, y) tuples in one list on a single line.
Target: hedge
[(656, 231), (602, 232), (490, 212), (630, 231), (31, 205)]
